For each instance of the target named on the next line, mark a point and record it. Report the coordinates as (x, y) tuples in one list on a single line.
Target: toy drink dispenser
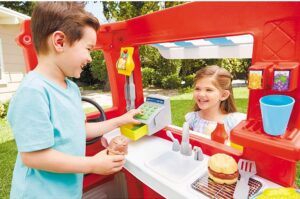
[(285, 76), (258, 75), (271, 131)]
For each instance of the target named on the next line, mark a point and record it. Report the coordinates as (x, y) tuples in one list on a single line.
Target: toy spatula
[(247, 169)]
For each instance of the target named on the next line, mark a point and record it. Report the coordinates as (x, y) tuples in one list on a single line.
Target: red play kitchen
[(166, 161)]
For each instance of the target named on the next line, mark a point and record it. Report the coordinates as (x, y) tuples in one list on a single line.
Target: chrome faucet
[(186, 147)]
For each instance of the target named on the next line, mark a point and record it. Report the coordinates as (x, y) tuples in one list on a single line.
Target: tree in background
[(156, 70), (124, 10), (25, 7), (98, 69), (237, 67)]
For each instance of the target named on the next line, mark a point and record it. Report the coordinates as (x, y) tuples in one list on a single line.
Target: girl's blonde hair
[(221, 78)]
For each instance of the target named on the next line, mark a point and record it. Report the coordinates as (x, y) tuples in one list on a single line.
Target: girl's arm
[(58, 162), (100, 128)]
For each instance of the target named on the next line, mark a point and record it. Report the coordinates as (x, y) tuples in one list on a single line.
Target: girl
[(214, 101)]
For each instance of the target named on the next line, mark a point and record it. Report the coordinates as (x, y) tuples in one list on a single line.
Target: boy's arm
[(100, 128), (58, 162), (96, 129)]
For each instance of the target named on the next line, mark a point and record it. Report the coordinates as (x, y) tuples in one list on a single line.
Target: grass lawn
[(8, 153), (180, 105)]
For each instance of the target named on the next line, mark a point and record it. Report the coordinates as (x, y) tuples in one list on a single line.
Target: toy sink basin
[(176, 167)]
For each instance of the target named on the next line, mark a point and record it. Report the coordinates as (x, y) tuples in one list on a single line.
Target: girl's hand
[(129, 117), (105, 164)]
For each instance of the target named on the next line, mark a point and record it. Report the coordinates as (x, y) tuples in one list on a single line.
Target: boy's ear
[(225, 95), (58, 41)]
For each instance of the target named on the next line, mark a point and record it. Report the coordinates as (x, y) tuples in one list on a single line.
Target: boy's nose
[(89, 59)]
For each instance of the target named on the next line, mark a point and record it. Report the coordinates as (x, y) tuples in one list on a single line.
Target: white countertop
[(149, 147)]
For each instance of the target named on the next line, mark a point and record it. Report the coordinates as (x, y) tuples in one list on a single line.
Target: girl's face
[(207, 95)]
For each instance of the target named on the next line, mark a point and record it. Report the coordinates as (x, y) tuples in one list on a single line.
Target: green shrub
[(165, 68), (171, 82), (148, 75), (189, 80), (237, 67), (191, 66), (94, 73), (98, 66), (86, 78), (3, 109), (157, 79), (149, 56)]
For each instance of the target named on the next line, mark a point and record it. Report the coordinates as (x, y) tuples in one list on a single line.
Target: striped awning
[(212, 48)]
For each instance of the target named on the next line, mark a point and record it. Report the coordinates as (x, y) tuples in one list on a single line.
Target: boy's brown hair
[(68, 17), (222, 80)]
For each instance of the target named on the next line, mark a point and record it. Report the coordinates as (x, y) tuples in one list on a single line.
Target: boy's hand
[(129, 117), (104, 142), (105, 164)]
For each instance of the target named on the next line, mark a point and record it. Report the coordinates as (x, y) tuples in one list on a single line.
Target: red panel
[(134, 186), (279, 40), (150, 193), (91, 181), (275, 27), (271, 167), (24, 40)]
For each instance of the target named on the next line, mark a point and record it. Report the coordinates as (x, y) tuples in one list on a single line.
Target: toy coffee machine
[(275, 156)]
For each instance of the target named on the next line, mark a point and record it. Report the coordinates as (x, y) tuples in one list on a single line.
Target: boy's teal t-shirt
[(44, 115)]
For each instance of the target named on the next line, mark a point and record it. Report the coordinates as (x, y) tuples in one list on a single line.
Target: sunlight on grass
[(179, 108), (90, 110), (93, 109), (5, 131), (241, 93), (238, 93), (8, 155)]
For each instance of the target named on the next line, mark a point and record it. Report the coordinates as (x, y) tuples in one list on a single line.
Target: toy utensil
[(247, 169)]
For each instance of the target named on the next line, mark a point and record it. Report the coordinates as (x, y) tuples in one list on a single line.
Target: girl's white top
[(198, 124)]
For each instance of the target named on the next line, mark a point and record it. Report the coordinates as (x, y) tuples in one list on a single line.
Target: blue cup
[(276, 111)]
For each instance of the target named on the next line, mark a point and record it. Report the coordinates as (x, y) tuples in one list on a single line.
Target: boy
[(46, 115)]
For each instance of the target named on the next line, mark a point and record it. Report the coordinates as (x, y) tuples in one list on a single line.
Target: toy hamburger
[(118, 146), (222, 169)]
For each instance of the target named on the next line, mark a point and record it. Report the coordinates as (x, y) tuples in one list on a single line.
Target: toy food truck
[(153, 169)]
